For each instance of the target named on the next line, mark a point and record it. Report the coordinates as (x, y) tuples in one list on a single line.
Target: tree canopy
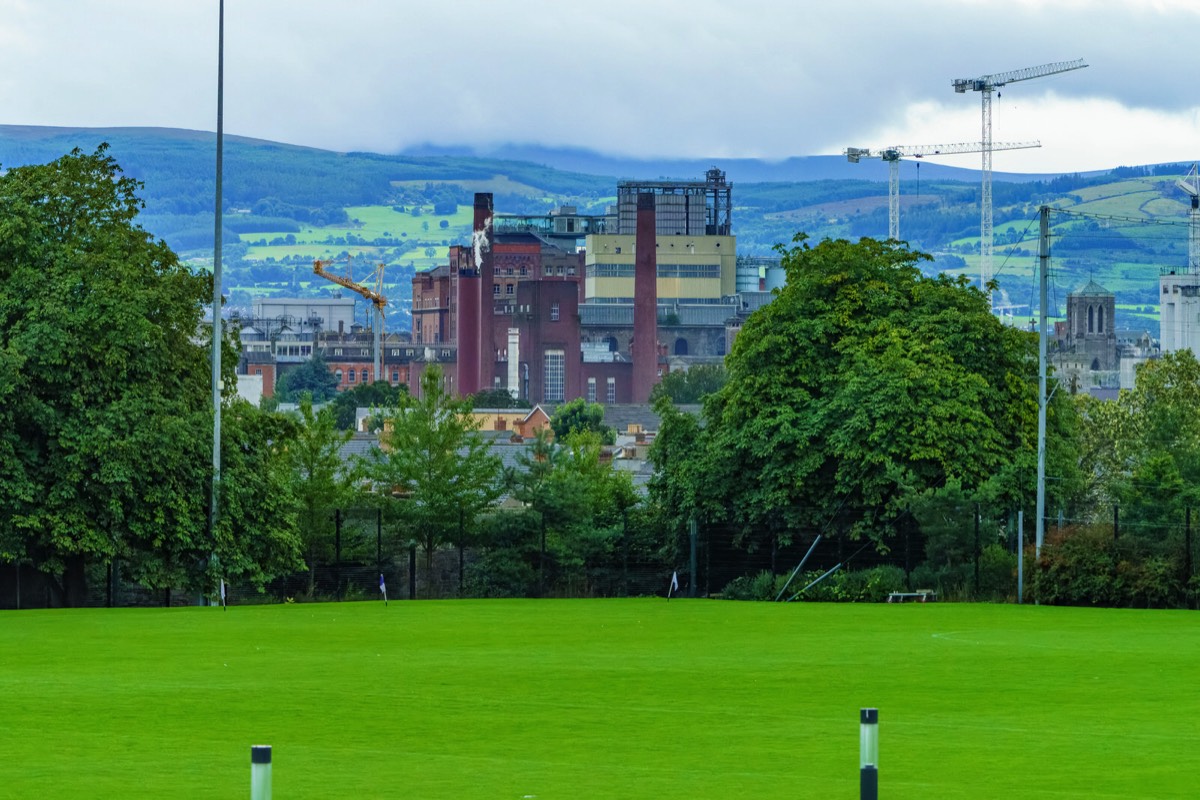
[(433, 460), (864, 384), (106, 431)]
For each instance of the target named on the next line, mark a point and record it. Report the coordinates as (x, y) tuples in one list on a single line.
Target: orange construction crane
[(374, 295)]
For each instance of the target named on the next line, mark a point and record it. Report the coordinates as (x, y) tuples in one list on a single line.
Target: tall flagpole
[(1043, 333), (217, 297)]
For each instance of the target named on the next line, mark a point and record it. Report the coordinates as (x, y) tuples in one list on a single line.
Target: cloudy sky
[(649, 78)]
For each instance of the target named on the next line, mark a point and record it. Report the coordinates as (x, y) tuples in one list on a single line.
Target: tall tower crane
[(1191, 185), (894, 154), (374, 295), (985, 84)]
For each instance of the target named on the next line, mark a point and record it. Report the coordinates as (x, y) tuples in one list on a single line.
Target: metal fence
[(960, 550)]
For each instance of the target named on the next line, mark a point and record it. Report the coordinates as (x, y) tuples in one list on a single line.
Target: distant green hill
[(285, 205)]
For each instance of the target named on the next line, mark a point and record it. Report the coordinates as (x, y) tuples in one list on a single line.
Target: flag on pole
[(674, 587), (383, 588), (223, 595)]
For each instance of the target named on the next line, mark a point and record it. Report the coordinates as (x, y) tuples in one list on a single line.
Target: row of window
[(663, 271), (611, 397)]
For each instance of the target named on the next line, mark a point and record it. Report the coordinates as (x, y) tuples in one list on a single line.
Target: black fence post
[(412, 572), (1116, 521), (379, 540), (977, 551), (692, 536), (1187, 544), (337, 554)]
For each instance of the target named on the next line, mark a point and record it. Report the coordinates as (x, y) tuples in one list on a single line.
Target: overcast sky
[(648, 78)]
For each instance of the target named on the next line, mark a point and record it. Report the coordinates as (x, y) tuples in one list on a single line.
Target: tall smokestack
[(645, 301), (466, 332), (481, 246)]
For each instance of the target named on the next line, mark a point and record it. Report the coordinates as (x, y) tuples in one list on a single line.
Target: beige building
[(691, 269)]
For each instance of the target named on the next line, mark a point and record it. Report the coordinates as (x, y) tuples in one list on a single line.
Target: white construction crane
[(1191, 185), (894, 154), (984, 84)]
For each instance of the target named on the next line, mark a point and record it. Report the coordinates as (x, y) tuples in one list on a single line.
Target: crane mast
[(374, 295), (985, 84), (1191, 185), (893, 155)]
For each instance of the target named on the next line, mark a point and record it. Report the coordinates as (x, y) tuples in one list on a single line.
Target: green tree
[(377, 394), (580, 416), (496, 398), (112, 393), (1145, 447), (862, 385), (312, 377), (580, 503), (256, 539), (433, 459), (692, 385), (109, 420), (321, 481)]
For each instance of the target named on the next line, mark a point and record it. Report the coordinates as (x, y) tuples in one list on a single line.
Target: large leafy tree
[(377, 394), (580, 502), (1144, 449), (321, 480), (434, 461), (864, 384), (580, 416), (106, 424), (312, 377), (691, 385)]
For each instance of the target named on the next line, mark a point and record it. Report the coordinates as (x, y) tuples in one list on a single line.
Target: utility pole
[(1043, 295), (218, 300)]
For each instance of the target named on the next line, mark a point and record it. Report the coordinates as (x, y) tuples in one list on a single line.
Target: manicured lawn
[(589, 699)]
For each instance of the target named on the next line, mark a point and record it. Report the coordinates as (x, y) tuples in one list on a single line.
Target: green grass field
[(588, 699)]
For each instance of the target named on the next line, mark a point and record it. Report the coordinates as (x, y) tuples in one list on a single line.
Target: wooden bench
[(920, 596)]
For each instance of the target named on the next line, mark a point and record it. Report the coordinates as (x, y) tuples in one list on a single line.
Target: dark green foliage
[(861, 586), (580, 416), (311, 378), (1085, 566), (496, 398), (685, 387), (434, 465), (107, 421), (377, 394), (863, 385)]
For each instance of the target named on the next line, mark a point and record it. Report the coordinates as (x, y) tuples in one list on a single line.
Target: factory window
[(1091, 319), (554, 368), (554, 312), (524, 271), (351, 375), (366, 376), (337, 373), (495, 289), (337, 351), (508, 288), (395, 377), (681, 346), (1100, 321), (611, 396), (591, 394)]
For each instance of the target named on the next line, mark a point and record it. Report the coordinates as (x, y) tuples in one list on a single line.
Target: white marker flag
[(223, 593), (674, 587)]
